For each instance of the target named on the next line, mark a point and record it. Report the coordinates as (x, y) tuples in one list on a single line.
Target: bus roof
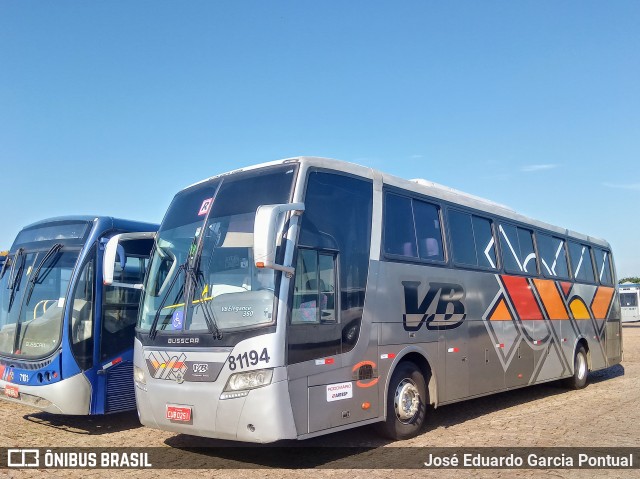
[(106, 220), (424, 187), (97, 224)]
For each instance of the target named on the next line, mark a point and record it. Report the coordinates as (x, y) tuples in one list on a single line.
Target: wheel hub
[(582, 366), (406, 401)]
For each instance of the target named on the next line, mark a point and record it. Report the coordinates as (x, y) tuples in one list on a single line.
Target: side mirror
[(269, 220), (113, 249)]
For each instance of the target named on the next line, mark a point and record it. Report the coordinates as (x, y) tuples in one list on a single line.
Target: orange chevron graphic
[(579, 309), (551, 299), (501, 312), (601, 302)]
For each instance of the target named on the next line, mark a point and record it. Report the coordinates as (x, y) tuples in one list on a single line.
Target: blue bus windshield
[(31, 324)]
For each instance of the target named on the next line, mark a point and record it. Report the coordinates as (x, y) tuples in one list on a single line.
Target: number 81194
[(246, 359)]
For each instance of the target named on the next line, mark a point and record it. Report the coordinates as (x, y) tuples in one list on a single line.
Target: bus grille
[(120, 391), (26, 364)]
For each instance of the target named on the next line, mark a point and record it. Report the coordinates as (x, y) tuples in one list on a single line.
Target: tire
[(407, 402), (580, 370)]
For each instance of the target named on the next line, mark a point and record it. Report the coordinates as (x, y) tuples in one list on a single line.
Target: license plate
[(11, 391), (179, 413)]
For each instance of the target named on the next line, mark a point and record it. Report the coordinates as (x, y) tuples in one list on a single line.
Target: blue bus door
[(119, 313)]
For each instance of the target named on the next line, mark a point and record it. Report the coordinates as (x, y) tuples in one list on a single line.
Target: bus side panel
[(338, 390), (613, 333), (486, 367), (614, 342), (418, 304), (507, 338)]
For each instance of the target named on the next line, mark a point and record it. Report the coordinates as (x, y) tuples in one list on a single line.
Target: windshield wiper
[(7, 260), (14, 280), (193, 273), (209, 316), (34, 276), (154, 325)]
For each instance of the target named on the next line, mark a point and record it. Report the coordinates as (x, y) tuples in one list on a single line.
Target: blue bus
[(66, 339)]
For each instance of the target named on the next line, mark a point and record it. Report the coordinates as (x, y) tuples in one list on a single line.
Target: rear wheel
[(407, 401), (580, 370)]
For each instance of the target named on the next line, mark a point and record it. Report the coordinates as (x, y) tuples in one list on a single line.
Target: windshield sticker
[(206, 205), (177, 320), (60, 302)]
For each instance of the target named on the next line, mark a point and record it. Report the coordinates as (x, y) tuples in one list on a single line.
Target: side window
[(552, 256), (314, 294), (472, 240), (580, 256), (82, 315), (120, 306), (412, 228), (428, 230), (518, 255), (399, 230), (603, 265)]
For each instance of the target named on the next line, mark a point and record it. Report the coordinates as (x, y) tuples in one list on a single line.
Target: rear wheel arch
[(585, 344)]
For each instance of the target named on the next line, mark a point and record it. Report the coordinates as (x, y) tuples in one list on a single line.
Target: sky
[(110, 108)]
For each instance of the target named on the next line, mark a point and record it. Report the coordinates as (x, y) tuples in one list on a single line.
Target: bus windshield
[(32, 299), (628, 300), (202, 275)]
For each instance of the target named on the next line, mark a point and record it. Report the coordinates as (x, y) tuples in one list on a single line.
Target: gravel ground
[(606, 413)]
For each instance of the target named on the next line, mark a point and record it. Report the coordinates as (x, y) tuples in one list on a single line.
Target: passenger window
[(82, 315), (399, 230), (314, 295), (518, 254), (472, 240), (428, 230), (412, 228), (120, 303), (552, 256), (603, 265), (580, 256)]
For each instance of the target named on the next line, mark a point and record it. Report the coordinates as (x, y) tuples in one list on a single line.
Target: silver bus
[(629, 302), (308, 296)]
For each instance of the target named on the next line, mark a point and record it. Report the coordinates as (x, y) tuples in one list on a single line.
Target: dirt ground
[(605, 414)]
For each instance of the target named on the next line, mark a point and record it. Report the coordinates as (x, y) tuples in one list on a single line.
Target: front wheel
[(407, 402), (580, 370)]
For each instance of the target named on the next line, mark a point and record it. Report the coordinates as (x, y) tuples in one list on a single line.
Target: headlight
[(239, 384), (138, 375)]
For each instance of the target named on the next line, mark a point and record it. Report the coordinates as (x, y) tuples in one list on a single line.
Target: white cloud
[(416, 157), (532, 168), (630, 186)]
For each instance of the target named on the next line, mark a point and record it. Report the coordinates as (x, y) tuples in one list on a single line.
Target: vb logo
[(441, 308)]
